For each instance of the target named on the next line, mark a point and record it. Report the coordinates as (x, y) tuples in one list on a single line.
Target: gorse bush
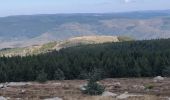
[(149, 86), (93, 88)]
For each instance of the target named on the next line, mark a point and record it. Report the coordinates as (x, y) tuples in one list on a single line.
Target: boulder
[(2, 98), (23, 91), (123, 96), (107, 93), (82, 87), (18, 84), (18, 99), (56, 84), (138, 87), (55, 98), (158, 79), (167, 98), (126, 96), (117, 85), (1, 86)]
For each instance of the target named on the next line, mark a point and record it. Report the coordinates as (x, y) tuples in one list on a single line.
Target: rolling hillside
[(47, 47)]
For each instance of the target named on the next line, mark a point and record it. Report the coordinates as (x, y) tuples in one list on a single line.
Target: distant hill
[(27, 30), (51, 46)]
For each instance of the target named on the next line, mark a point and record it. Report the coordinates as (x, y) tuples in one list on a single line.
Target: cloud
[(127, 1)]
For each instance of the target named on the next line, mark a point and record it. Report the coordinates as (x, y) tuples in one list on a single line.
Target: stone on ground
[(55, 98), (158, 79), (126, 96), (18, 83), (107, 93), (2, 98)]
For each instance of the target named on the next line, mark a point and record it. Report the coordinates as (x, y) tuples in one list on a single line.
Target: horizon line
[(69, 13)]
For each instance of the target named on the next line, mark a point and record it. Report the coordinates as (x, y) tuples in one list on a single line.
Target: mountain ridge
[(27, 30)]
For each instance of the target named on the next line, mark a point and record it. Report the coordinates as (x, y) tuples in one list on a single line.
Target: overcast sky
[(25, 7)]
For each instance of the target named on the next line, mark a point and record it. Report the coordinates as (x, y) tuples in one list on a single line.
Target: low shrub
[(93, 88), (149, 86)]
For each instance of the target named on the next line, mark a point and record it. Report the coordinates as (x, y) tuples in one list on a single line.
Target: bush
[(59, 75), (93, 88), (42, 77), (149, 86)]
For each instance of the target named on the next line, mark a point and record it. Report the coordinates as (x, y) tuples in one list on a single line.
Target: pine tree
[(59, 75), (42, 77)]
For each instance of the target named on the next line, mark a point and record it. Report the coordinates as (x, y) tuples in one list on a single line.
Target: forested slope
[(145, 58)]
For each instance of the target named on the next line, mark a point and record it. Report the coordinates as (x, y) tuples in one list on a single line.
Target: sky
[(29, 7)]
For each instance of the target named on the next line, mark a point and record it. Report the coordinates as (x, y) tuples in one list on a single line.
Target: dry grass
[(58, 45), (69, 90), (96, 39)]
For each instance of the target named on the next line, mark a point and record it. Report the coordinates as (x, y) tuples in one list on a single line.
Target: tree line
[(146, 58)]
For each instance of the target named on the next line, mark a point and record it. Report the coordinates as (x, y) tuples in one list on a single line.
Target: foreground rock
[(117, 85), (107, 93), (56, 84), (158, 79), (3, 85), (56, 98), (126, 96), (13, 84), (138, 87), (18, 84), (82, 87), (3, 98)]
